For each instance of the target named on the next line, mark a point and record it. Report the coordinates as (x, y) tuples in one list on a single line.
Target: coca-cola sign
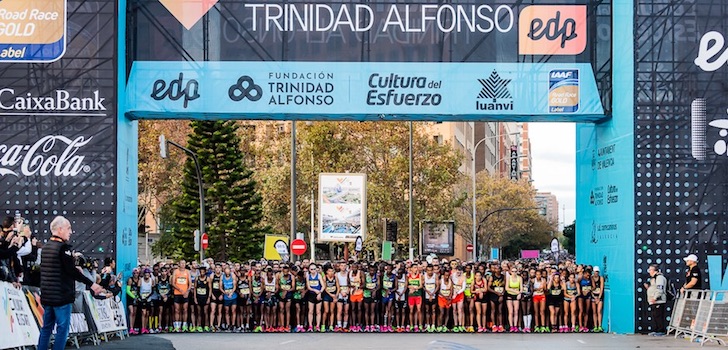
[(54, 155)]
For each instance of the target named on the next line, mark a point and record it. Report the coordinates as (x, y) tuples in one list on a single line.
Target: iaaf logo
[(552, 30), (36, 159)]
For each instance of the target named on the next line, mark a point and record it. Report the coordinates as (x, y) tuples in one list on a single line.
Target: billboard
[(276, 248), (58, 120), (383, 59), (342, 207), (437, 237)]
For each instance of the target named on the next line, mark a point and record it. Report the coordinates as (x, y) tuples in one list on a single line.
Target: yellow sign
[(32, 30), (276, 248)]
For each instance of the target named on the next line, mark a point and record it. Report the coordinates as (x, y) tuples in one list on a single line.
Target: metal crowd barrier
[(701, 316)]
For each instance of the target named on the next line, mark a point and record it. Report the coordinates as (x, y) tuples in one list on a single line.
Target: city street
[(399, 342)]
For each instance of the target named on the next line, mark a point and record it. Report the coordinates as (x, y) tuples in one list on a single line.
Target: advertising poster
[(58, 119), (17, 322), (276, 248), (108, 314), (438, 237), (342, 207)]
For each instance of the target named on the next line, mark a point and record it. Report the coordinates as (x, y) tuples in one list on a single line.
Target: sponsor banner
[(390, 31), (342, 207), (276, 248), (514, 163), (32, 30), (17, 323), (530, 254), (108, 314), (438, 237), (401, 91)]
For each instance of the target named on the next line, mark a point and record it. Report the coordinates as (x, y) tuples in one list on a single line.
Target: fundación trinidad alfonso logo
[(494, 95), (188, 12), (552, 30)]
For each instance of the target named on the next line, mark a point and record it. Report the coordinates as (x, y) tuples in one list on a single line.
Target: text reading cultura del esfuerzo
[(446, 18)]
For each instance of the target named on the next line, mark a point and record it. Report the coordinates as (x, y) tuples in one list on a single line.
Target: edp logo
[(553, 29), (175, 91)]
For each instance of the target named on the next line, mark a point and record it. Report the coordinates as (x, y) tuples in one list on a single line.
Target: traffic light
[(391, 230)]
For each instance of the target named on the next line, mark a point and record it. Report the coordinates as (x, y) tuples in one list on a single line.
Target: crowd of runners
[(357, 296)]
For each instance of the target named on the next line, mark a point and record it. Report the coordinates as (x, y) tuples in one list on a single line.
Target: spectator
[(58, 273), (693, 276), (656, 297), (10, 244)]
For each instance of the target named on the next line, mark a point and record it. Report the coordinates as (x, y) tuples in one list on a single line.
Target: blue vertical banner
[(605, 189)]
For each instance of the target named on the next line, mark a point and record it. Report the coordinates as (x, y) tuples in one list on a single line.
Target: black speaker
[(391, 230)]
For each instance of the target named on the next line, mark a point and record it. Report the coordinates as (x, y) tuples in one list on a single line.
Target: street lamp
[(163, 142), (475, 226)]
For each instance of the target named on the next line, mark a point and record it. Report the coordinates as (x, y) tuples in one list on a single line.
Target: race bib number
[(145, 295), (344, 289), (181, 280), (331, 290), (215, 285), (257, 290), (371, 285), (388, 284), (286, 287), (445, 292), (270, 288), (458, 288), (313, 283), (430, 287), (245, 291), (586, 289), (556, 292), (201, 291), (597, 290), (498, 289)]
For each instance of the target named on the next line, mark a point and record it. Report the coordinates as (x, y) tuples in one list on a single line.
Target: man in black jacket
[(58, 273)]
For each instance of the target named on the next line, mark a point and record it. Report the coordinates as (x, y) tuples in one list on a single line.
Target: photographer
[(10, 244)]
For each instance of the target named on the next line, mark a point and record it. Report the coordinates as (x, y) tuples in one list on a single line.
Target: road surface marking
[(287, 342), (581, 341)]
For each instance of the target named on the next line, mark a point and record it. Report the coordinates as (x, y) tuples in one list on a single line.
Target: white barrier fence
[(21, 317), (701, 315)]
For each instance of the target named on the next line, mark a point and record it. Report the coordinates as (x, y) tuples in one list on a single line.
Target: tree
[(570, 237), (378, 149), (496, 219), (233, 208)]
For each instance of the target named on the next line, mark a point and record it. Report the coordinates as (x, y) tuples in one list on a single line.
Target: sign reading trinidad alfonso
[(424, 60), (32, 30)]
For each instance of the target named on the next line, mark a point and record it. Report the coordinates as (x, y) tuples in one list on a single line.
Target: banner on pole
[(342, 207), (17, 324)]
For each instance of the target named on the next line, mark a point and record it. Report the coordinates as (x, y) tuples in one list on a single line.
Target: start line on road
[(424, 341)]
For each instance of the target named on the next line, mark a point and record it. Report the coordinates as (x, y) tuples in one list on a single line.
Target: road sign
[(203, 241), (387, 250), (469, 248), (298, 247)]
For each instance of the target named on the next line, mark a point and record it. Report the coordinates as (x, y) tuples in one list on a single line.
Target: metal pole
[(411, 211), (199, 186), (475, 226), (202, 204), (293, 182), (313, 245)]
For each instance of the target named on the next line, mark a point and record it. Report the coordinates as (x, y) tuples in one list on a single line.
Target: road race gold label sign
[(32, 30)]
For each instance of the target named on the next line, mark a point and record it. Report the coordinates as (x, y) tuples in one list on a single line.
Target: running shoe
[(470, 329), (456, 329), (258, 329)]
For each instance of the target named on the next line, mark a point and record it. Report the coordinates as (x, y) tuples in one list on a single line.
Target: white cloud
[(553, 147)]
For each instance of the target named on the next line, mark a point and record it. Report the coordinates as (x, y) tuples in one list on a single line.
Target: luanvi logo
[(39, 158), (494, 88), (552, 30), (188, 12)]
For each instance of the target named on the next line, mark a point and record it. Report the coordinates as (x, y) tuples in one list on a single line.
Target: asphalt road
[(398, 342)]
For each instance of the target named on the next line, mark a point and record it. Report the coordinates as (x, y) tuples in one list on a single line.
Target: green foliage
[(233, 207), (570, 238)]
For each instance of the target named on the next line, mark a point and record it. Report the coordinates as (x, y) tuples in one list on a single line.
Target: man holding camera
[(58, 273), (11, 241), (657, 297)]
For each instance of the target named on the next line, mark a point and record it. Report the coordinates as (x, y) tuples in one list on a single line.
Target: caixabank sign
[(58, 117)]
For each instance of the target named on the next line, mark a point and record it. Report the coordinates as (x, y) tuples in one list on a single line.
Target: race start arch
[(75, 75)]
